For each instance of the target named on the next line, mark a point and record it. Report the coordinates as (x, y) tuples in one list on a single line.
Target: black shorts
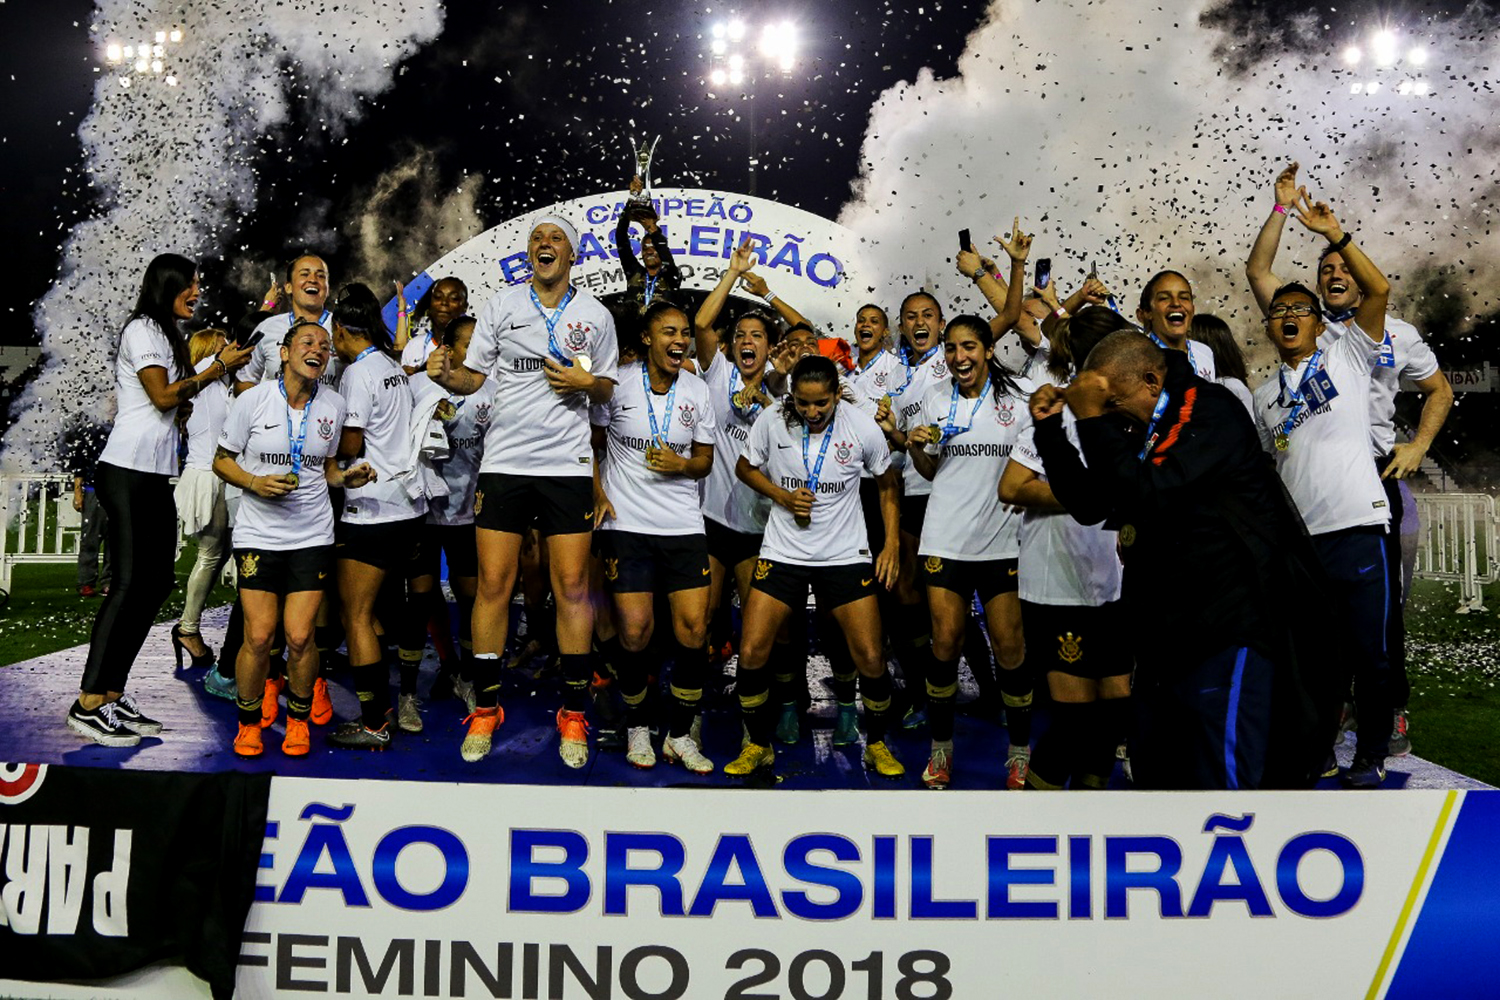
[(1076, 639), (989, 577), (394, 546), (457, 542), (728, 546), (553, 505), (832, 586), (913, 515), (292, 571), (636, 563)]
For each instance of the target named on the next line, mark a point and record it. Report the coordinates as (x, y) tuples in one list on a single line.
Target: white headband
[(569, 230)]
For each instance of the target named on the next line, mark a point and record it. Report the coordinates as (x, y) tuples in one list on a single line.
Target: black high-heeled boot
[(179, 647)]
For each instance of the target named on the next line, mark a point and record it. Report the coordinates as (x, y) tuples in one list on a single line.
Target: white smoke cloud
[(173, 167), (405, 216), (1139, 136)]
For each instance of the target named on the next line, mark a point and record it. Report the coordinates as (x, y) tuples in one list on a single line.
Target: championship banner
[(816, 264), (103, 872), (386, 889)]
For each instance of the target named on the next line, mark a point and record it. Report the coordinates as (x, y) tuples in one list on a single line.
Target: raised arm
[(1375, 290), (166, 395), (628, 258), (705, 337), (1263, 282), (756, 285), (1017, 249)]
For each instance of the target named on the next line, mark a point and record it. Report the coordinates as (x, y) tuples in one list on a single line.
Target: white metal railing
[(1457, 543), (38, 523)]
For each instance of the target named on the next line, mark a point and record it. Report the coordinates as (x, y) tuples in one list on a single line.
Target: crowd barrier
[(1457, 543), (377, 888)]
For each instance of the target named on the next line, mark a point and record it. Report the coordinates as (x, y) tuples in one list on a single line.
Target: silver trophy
[(642, 154)]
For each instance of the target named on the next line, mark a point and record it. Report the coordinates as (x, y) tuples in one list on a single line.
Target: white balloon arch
[(814, 263)]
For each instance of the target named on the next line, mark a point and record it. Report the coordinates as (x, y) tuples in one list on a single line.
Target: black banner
[(103, 872)]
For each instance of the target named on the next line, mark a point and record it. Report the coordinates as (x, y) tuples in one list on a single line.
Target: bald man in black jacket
[(1215, 556)]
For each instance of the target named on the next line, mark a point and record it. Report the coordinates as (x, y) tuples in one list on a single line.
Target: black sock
[(876, 692), (372, 684), (411, 667), (842, 666), (630, 673), (234, 638), (577, 671), (1016, 692), (298, 708), (689, 669), (485, 673), (249, 710), (1052, 760), (1106, 731), (783, 667), (753, 689), (942, 692)]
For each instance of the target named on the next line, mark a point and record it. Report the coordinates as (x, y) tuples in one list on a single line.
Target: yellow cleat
[(752, 758), (878, 757)]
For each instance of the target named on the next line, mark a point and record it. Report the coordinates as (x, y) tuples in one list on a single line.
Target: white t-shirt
[(907, 401), (419, 345), (1062, 561), (882, 374), (460, 470), (645, 501), (725, 499), (965, 518), (1200, 356), (210, 407), (378, 402), (836, 534), (256, 433), (535, 431), (265, 363), (1241, 392), (1327, 468), (143, 437), (1408, 357)]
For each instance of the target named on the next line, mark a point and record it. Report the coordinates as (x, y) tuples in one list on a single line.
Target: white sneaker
[(638, 747), (408, 714), (684, 750)]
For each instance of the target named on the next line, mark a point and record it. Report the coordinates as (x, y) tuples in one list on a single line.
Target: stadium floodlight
[(113, 52), (1384, 48), (1404, 88), (161, 36), (717, 31), (736, 30), (1421, 89), (1417, 56), (778, 41), (1355, 88), (1352, 55), (718, 77), (175, 35), (718, 46), (171, 81), (1372, 87)]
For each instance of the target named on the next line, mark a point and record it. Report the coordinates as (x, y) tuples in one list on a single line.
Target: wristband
[(1342, 243), (267, 305), (1060, 313), (770, 296), (1279, 208), (401, 313)]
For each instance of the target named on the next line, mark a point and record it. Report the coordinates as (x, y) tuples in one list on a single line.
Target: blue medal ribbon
[(1339, 316), (1297, 400), (815, 472), (651, 282), (357, 359), (876, 357), (952, 430), (552, 319), (295, 444), (1188, 345), (658, 437), (1156, 412)]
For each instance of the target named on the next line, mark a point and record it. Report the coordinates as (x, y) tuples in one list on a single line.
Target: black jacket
[(667, 276)]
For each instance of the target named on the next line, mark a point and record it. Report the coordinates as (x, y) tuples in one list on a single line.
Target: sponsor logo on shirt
[(392, 381), (526, 364), (1006, 413), (793, 483), (737, 431), (325, 428), (976, 450), (879, 379), (482, 414), (1070, 648), (641, 444), (687, 415), (577, 337), (843, 451)]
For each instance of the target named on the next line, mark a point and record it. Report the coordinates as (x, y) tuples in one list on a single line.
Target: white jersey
[(965, 518), (1241, 392), (265, 363), (378, 402), (1200, 357), (850, 443), (1062, 562), (210, 407), (143, 437), (645, 501), (1405, 355), (882, 374), (256, 432), (419, 345), (907, 400), (460, 470), (725, 499), (1327, 466), (536, 432)]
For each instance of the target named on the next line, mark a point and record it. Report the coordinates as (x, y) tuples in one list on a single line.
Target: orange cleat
[(247, 742), (297, 742)]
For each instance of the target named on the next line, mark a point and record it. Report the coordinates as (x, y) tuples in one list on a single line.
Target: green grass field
[(1453, 660)]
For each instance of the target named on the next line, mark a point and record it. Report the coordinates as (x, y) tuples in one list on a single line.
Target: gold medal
[(446, 410), (738, 399), (1127, 535), (936, 432), (1283, 441)]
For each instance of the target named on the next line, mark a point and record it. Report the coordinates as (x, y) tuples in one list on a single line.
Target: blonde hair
[(203, 343)]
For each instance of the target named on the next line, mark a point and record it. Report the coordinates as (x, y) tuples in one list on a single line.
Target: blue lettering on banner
[(1002, 876), (619, 876), (733, 849), (923, 905), (1080, 885), (850, 893), (325, 839), (1290, 889), (515, 268), (525, 869), (1229, 850), (1119, 879), (455, 868)]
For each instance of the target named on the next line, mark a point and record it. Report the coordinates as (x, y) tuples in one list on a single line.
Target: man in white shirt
[(551, 349), (1314, 419), (1408, 358)]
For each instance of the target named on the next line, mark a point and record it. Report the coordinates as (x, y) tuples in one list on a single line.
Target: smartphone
[(964, 241), (1043, 272), (255, 338)]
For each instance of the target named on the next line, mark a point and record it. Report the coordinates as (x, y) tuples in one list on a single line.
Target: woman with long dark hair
[(382, 522), (961, 442), (805, 454), (153, 378)]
